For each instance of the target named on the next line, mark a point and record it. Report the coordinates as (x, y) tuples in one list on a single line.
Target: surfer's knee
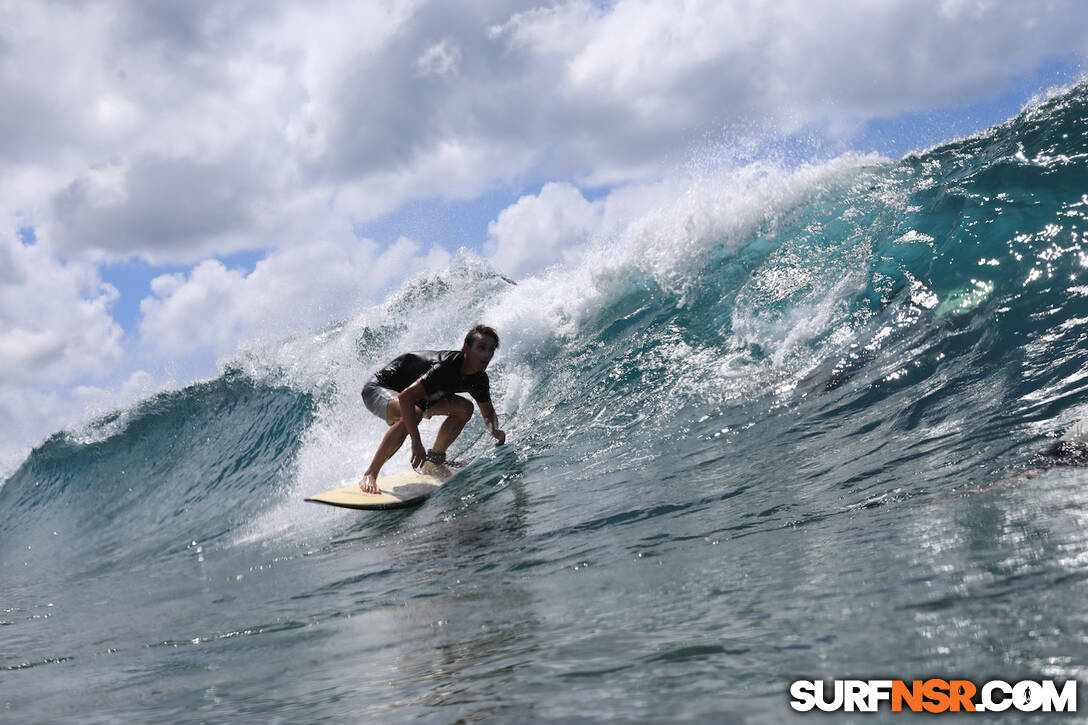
[(461, 409), (392, 413)]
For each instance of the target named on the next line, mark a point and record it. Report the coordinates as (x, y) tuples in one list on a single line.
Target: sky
[(180, 176)]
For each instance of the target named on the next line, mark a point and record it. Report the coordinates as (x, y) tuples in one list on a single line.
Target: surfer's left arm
[(491, 422)]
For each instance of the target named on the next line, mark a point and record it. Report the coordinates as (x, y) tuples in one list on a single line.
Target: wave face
[(785, 422)]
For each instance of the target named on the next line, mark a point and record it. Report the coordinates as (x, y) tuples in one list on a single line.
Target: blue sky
[(918, 130)]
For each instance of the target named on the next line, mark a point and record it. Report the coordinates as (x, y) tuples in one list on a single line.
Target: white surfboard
[(397, 491)]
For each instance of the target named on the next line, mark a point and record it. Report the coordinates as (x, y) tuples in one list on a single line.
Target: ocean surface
[(786, 423)]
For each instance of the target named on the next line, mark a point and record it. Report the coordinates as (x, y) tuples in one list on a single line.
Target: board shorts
[(377, 398)]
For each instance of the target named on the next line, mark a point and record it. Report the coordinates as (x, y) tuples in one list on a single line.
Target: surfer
[(423, 384)]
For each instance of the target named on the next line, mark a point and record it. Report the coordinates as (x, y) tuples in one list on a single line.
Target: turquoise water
[(788, 425)]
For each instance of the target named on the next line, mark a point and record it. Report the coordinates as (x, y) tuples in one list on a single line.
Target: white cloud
[(439, 60), (179, 208), (538, 231), (290, 290), (55, 322), (176, 131), (453, 170), (138, 385)]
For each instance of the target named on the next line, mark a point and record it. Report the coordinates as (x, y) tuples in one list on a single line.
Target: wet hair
[(481, 331)]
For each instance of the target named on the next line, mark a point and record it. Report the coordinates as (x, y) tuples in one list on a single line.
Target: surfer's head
[(482, 331), (481, 342)]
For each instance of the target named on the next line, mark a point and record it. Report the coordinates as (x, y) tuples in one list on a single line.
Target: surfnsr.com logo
[(933, 696)]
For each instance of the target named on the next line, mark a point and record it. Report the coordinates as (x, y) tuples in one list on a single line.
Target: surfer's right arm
[(409, 417), (491, 422)]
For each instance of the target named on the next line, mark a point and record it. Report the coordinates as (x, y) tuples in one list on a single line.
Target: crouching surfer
[(424, 384)]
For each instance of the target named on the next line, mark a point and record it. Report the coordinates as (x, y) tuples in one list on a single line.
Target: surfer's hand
[(419, 454), (369, 484), (500, 436)]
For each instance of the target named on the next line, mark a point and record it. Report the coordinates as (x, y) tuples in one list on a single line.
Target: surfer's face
[(480, 351)]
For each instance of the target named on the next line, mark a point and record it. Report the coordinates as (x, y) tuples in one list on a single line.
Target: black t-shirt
[(440, 372)]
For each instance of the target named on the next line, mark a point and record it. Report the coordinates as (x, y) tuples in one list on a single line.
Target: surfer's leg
[(381, 401), (458, 412), (391, 443)]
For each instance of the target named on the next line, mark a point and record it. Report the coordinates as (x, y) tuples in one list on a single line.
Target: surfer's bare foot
[(439, 470), (369, 484)]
